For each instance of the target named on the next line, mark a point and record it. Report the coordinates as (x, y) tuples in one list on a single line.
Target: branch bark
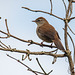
[(34, 53), (43, 12)]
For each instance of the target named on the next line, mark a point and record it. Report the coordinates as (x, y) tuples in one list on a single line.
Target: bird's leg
[(42, 43), (51, 44)]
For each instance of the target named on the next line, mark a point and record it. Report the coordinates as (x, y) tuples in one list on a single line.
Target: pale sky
[(21, 25)]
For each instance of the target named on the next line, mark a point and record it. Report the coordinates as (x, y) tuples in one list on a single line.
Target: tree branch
[(66, 41), (29, 41), (29, 69), (64, 5), (41, 66), (69, 7), (43, 12), (51, 6), (34, 53), (70, 29)]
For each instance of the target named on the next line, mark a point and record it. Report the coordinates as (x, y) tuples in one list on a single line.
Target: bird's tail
[(58, 44)]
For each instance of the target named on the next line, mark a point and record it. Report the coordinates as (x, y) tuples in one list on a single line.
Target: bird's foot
[(51, 45), (42, 44)]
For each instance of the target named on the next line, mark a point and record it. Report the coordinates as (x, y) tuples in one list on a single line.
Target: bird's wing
[(47, 31)]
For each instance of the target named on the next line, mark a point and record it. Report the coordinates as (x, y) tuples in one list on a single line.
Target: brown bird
[(47, 32)]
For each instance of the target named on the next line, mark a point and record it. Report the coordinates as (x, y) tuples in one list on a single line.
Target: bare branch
[(64, 5), (4, 37), (23, 64), (66, 41), (50, 72), (55, 58), (70, 10), (51, 6), (29, 41), (27, 55), (43, 12), (69, 6), (70, 29), (41, 66), (7, 31), (7, 26), (72, 18), (34, 53), (71, 39), (4, 44)]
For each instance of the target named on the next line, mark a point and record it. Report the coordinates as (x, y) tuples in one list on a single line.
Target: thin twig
[(43, 12), (71, 39), (7, 31), (64, 5), (70, 29), (4, 44), (6, 26), (27, 55), (54, 50), (72, 18), (67, 13), (4, 37), (51, 6), (50, 72), (70, 10), (22, 64), (41, 66)]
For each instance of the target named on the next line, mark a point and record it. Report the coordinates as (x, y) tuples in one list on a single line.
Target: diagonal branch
[(70, 29), (43, 12), (41, 66), (4, 45), (29, 41), (64, 5), (29, 69)]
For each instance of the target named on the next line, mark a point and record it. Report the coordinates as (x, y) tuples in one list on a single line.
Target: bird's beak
[(33, 21)]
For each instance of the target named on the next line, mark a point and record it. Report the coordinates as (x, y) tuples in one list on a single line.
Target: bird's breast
[(42, 36)]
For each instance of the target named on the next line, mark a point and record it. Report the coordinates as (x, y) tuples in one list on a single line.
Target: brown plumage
[(47, 32)]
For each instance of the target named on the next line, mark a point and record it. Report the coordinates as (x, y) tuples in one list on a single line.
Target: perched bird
[(47, 32)]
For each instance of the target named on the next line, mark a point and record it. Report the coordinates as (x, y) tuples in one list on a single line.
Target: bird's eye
[(38, 20)]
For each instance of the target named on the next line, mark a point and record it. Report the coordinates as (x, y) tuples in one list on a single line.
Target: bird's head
[(40, 21)]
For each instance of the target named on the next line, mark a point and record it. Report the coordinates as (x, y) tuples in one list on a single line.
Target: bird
[(47, 32)]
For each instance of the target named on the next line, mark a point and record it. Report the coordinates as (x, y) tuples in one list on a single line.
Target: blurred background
[(20, 25)]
